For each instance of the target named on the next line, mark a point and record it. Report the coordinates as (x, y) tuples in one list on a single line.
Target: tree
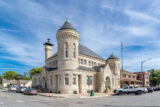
[(1, 79), (154, 77), (19, 77), (34, 71), (10, 75)]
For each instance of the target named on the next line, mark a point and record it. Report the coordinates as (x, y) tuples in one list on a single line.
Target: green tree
[(10, 75), (34, 71), (1, 79), (154, 77), (19, 77)]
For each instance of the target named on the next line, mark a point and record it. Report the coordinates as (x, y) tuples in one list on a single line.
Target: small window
[(74, 92), (85, 62), (129, 76), (92, 63), (89, 63), (81, 61), (51, 79), (39, 80), (59, 76), (124, 75), (66, 79), (35, 80), (74, 50), (66, 50), (74, 79), (133, 76)]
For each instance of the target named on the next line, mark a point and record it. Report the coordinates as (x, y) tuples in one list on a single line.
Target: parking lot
[(11, 99)]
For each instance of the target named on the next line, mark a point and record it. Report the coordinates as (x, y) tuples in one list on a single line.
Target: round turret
[(67, 39), (114, 63)]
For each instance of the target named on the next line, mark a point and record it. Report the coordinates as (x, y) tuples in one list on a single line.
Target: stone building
[(74, 68)]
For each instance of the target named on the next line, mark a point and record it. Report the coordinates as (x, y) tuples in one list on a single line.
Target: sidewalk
[(73, 95)]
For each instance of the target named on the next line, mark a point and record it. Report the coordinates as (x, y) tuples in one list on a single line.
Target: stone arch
[(108, 83)]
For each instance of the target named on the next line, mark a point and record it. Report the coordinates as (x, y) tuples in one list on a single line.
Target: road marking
[(19, 101), (35, 100)]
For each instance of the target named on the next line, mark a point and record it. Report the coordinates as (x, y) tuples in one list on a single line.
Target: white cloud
[(43, 20), (21, 51), (141, 16)]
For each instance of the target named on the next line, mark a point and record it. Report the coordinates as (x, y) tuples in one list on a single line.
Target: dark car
[(150, 90), (156, 88), (30, 91), (20, 89)]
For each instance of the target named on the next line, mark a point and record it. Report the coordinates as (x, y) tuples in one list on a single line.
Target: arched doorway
[(107, 83)]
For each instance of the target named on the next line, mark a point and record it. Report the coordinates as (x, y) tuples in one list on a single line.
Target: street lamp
[(142, 62)]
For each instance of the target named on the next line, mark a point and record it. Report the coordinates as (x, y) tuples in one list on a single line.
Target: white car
[(129, 89), (12, 88), (145, 90)]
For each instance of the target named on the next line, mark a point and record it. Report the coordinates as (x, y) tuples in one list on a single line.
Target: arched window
[(74, 50), (66, 50)]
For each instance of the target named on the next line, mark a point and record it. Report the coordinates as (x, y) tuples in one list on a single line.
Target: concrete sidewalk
[(73, 95)]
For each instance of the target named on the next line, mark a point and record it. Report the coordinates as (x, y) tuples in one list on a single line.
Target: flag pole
[(122, 62)]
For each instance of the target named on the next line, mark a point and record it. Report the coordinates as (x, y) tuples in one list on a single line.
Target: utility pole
[(142, 62), (122, 63)]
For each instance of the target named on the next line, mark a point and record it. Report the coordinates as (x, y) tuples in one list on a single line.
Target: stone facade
[(76, 69)]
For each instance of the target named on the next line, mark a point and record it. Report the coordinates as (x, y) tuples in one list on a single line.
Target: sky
[(102, 25)]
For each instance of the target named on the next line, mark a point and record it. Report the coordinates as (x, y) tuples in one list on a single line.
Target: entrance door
[(80, 83), (107, 84)]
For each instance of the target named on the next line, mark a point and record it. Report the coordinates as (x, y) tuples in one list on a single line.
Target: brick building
[(129, 79), (143, 76), (139, 79)]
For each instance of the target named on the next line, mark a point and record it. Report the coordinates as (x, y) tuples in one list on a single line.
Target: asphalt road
[(10, 99)]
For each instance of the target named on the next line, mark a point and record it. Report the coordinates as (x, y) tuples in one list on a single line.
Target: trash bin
[(92, 93)]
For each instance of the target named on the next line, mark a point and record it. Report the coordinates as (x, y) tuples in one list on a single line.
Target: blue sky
[(102, 24)]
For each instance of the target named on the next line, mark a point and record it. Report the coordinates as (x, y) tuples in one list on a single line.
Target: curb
[(75, 96)]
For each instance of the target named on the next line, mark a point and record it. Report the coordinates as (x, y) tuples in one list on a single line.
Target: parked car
[(128, 90), (145, 90), (12, 88), (156, 88), (150, 89), (30, 91), (20, 89)]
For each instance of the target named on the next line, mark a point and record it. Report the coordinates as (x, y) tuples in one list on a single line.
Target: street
[(11, 99)]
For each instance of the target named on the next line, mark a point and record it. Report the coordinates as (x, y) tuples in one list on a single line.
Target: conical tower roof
[(112, 56), (67, 25)]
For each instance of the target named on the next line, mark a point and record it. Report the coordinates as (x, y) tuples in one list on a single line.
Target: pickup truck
[(128, 90)]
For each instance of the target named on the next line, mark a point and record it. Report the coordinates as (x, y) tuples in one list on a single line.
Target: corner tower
[(67, 39), (114, 64)]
